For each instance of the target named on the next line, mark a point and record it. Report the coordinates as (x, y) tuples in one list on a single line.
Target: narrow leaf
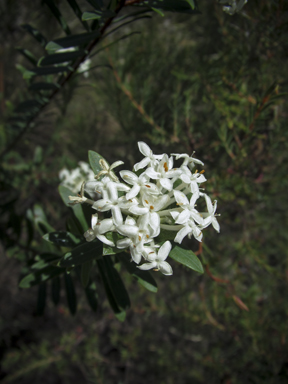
[(97, 4), (36, 34), (180, 6), (58, 58), (41, 300), (56, 12), (85, 272), (187, 258), (73, 4), (91, 295), (143, 277), (116, 285), (73, 41), (39, 71), (28, 105), (63, 239), (41, 86), (82, 253), (98, 15), (40, 276), (119, 313), (55, 287), (70, 294), (28, 55)]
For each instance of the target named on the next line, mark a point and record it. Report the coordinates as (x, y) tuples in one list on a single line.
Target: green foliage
[(212, 83), (187, 258)]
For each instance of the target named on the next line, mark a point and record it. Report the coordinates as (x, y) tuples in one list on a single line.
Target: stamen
[(165, 167), (148, 186), (139, 238), (203, 170), (147, 202), (151, 207)]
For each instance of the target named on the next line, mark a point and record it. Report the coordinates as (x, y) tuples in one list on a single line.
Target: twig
[(138, 106), (64, 79)]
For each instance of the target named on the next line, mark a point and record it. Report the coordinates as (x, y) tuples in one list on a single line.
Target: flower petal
[(183, 217), (142, 164), (164, 250), (165, 268), (182, 233), (147, 266), (133, 192), (117, 215), (144, 149)]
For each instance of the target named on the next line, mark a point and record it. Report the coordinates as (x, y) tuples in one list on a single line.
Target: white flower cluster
[(73, 179), (161, 197)]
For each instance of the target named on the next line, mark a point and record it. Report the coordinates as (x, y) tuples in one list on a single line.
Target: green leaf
[(119, 313), (180, 6), (82, 253), (41, 300), (78, 210), (40, 276), (63, 239), (187, 258), (98, 15), (73, 41), (158, 11), (97, 4), (43, 71), (73, 4), (85, 272), (94, 158), (41, 86), (55, 287), (55, 10), (91, 295), (73, 226), (32, 105), (115, 283), (36, 34), (29, 56), (70, 294), (58, 58), (143, 277), (91, 15)]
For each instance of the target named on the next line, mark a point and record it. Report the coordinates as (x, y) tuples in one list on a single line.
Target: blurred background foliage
[(212, 83)]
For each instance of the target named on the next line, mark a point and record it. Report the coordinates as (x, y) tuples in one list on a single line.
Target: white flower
[(137, 235), (107, 170), (189, 161), (105, 185), (157, 260), (112, 202), (192, 179), (164, 173), (209, 218), (140, 183), (189, 212), (149, 159), (190, 229), (73, 179), (98, 229)]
